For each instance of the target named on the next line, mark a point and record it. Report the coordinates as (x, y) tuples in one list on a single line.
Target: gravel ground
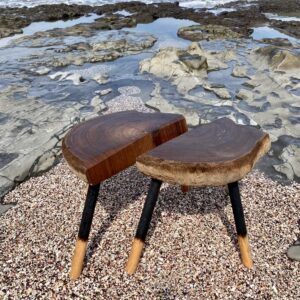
[(191, 250)]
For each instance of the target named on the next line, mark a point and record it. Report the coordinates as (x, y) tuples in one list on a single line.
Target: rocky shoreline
[(55, 78), (241, 20)]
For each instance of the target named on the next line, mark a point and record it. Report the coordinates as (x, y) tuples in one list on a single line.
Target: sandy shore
[(191, 251)]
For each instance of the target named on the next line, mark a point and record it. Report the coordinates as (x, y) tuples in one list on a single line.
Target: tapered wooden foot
[(245, 251), (84, 231), (240, 224), (78, 259), (141, 233), (184, 188), (135, 255)]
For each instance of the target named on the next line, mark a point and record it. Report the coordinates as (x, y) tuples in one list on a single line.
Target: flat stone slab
[(5, 208), (294, 251)]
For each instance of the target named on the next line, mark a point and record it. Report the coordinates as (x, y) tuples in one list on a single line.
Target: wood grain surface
[(101, 147), (212, 154)]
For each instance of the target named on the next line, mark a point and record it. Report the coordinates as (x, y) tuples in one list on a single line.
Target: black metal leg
[(144, 223), (88, 212), (148, 210), (240, 224), (237, 208), (84, 231)]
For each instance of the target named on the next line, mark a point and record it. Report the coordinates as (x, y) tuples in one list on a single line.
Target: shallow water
[(268, 32), (168, 36), (43, 26), (125, 71)]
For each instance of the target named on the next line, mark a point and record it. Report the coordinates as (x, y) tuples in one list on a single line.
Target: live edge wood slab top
[(101, 147), (217, 153)]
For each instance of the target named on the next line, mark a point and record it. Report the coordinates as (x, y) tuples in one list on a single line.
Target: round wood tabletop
[(212, 154)]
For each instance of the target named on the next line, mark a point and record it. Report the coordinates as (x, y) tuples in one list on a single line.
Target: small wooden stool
[(219, 153), (102, 147)]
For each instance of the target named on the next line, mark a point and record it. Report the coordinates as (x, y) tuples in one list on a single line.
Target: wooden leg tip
[(78, 259), (245, 251), (134, 257)]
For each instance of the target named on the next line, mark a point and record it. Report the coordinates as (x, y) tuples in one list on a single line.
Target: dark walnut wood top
[(211, 154), (101, 147)]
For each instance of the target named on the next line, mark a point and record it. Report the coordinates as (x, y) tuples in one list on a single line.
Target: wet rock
[(32, 134), (221, 92), (3, 209), (56, 36), (41, 70), (75, 77), (10, 25), (105, 47), (244, 95), (5, 185), (113, 22), (104, 92), (279, 42), (4, 32), (45, 161), (279, 59), (168, 64), (194, 62), (289, 28), (98, 104), (100, 78), (207, 32), (159, 103), (291, 158), (240, 21), (6, 158), (294, 251), (239, 72), (276, 6)]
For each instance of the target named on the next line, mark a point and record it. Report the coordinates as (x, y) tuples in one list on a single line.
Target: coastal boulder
[(207, 32), (109, 46), (279, 59), (185, 68), (194, 61), (10, 25)]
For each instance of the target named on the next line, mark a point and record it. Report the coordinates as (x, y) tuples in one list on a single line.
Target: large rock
[(291, 162), (194, 61), (185, 68), (279, 42), (10, 25), (207, 32), (31, 134), (57, 35), (220, 91), (99, 48), (159, 103), (279, 59), (239, 71)]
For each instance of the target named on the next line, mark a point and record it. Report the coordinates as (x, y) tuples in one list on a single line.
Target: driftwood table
[(219, 153), (102, 147)]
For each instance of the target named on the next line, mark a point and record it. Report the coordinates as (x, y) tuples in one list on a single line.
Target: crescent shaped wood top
[(101, 147), (217, 153)]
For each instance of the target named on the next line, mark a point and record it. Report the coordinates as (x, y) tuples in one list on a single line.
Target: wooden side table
[(219, 153), (102, 147)]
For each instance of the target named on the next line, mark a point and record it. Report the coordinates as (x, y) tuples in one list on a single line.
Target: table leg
[(84, 231), (240, 224), (140, 236)]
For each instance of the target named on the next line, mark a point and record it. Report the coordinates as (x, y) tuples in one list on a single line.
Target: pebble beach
[(191, 251), (238, 60)]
